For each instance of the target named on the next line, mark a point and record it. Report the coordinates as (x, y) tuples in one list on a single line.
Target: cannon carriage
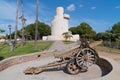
[(74, 60)]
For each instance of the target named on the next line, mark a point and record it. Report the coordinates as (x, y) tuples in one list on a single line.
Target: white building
[(59, 25), (2, 40), (60, 22)]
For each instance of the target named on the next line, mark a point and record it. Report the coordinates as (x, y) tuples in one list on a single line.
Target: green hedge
[(111, 44)]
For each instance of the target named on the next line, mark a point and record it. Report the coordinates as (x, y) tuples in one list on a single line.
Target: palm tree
[(67, 35), (23, 23), (16, 25), (1, 30), (36, 28)]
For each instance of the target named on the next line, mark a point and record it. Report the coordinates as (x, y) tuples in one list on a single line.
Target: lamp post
[(10, 43), (9, 26)]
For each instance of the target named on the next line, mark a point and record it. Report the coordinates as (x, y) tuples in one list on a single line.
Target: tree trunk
[(36, 28), (16, 25), (23, 22)]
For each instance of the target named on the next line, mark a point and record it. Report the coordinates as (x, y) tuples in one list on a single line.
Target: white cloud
[(71, 7), (93, 8), (81, 6), (7, 10), (117, 7), (8, 14)]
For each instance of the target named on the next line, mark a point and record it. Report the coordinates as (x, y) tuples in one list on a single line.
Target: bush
[(111, 44)]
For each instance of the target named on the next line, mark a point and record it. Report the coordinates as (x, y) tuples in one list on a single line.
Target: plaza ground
[(16, 72)]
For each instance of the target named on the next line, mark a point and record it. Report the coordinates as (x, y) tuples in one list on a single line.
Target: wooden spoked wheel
[(72, 67), (85, 58)]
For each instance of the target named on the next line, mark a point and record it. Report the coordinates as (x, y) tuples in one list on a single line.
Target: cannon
[(74, 60)]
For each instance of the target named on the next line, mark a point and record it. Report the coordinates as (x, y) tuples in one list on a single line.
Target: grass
[(107, 49), (68, 42), (26, 49)]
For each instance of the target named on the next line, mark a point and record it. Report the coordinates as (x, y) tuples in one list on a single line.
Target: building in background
[(1, 38), (59, 25)]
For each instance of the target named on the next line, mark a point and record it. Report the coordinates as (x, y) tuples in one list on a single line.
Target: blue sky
[(100, 14)]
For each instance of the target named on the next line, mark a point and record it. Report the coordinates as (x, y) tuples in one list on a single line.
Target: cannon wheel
[(72, 67), (85, 58)]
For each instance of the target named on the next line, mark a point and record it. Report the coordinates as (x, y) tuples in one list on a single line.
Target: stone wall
[(21, 59), (109, 64), (104, 65), (54, 38)]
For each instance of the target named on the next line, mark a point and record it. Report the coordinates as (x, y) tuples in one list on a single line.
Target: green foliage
[(106, 36), (116, 28), (20, 50), (1, 30), (29, 31), (111, 44), (113, 35), (107, 49), (67, 35), (68, 42), (84, 30), (73, 30), (44, 29)]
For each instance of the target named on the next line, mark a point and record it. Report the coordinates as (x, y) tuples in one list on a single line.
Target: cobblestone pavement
[(16, 72), (59, 46), (113, 56)]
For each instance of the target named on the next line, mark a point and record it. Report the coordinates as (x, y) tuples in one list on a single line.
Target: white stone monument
[(59, 25)]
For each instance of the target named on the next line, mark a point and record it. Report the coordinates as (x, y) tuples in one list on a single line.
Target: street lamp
[(9, 26), (10, 43)]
